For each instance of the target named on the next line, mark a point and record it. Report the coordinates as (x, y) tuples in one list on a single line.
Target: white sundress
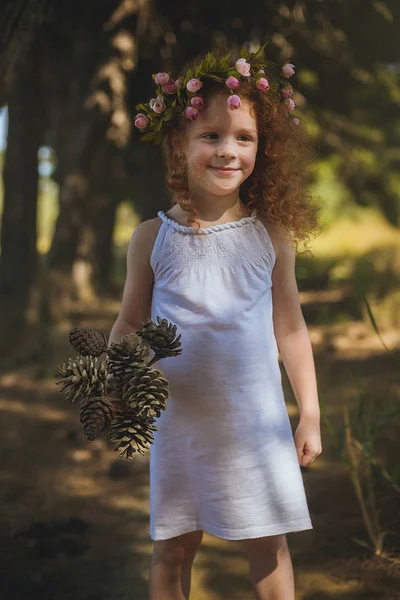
[(223, 459)]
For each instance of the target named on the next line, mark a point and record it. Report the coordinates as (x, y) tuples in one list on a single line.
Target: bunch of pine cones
[(123, 392)]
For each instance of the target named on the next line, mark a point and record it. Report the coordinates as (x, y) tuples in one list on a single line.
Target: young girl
[(224, 459)]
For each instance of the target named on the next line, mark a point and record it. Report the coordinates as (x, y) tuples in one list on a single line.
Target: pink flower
[(232, 83), (288, 70), (141, 121), (157, 104), (263, 84), (193, 85), (161, 78), (288, 104), (242, 67), (286, 92), (296, 121), (197, 102), (191, 113), (233, 102), (171, 86)]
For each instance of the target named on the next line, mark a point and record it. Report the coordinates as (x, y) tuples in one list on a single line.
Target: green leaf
[(142, 107), (207, 62), (374, 325), (147, 136), (215, 77), (158, 125), (226, 57), (167, 114), (244, 53), (260, 52)]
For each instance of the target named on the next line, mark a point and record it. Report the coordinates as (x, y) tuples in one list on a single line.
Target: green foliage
[(374, 325), (356, 444)]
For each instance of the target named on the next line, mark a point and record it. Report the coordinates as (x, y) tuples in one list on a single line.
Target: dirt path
[(74, 517)]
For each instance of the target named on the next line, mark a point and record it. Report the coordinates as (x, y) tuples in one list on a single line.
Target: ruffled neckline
[(220, 227)]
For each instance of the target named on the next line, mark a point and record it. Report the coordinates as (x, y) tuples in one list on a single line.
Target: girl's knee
[(174, 551), (271, 544)]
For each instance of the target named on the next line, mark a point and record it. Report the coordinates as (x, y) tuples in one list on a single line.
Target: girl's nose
[(226, 149)]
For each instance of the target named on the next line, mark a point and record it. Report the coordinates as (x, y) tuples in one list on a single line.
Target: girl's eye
[(241, 136)]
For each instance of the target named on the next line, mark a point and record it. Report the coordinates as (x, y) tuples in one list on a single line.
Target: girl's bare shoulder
[(279, 238), (146, 233)]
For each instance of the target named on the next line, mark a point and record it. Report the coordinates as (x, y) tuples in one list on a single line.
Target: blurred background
[(76, 180)]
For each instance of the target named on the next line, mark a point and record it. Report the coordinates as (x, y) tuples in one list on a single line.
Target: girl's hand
[(307, 439), (111, 386)]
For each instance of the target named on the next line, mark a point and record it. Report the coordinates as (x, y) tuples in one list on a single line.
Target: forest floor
[(74, 517)]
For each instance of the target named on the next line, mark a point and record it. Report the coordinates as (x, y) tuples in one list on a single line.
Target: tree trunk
[(19, 22), (87, 109), (103, 257), (18, 262)]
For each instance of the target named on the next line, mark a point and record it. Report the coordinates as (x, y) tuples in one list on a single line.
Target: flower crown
[(181, 97)]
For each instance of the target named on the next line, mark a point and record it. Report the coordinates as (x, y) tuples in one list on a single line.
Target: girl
[(224, 459)]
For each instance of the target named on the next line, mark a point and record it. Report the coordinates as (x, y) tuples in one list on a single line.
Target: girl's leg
[(270, 567), (171, 566)]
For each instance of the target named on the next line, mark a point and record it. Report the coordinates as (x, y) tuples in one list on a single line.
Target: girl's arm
[(137, 295), (296, 351), (291, 331)]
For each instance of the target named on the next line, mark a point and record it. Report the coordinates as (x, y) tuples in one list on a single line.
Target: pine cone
[(82, 378), (131, 433), (146, 392), (88, 342), (126, 355), (161, 337), (96, 414)]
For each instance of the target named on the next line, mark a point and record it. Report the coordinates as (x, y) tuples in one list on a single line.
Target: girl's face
[(221, 147)]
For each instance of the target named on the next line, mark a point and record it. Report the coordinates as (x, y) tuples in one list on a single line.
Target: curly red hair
[(278, 186)]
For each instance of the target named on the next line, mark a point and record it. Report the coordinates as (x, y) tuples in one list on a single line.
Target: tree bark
[(19, 23), (87, 108), (18, 262)]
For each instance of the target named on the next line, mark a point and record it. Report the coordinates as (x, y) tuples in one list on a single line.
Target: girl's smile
[(223, 170)]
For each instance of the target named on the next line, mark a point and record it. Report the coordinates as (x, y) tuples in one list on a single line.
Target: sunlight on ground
[(126, 502), (43, 412), (354, 236), (315, 582), (71, 484), (353, 340)]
